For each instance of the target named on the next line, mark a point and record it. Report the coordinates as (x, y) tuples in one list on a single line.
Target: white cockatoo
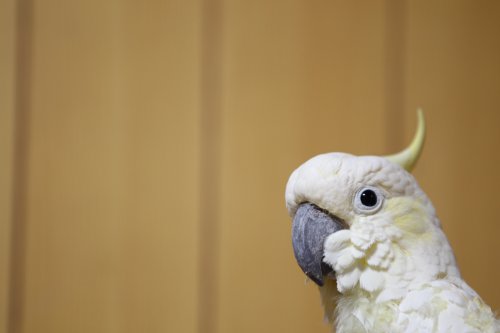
[(365, 232)]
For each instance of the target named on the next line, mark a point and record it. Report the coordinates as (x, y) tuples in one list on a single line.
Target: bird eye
[(368, 200)]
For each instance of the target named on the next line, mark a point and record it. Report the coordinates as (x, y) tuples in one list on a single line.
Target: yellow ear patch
[(409, 216)]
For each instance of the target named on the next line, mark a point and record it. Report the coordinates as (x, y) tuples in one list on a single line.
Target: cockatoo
[(366, 233)]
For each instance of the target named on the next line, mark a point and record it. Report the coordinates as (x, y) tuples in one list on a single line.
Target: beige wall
[(145, 148), (7, 82)]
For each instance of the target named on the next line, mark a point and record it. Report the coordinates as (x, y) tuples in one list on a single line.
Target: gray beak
[(311, 225)]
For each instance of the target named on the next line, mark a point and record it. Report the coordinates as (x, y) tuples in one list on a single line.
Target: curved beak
[(311, 225)]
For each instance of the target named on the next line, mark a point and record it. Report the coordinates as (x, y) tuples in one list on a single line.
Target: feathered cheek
[(350, 257), (339, 256)]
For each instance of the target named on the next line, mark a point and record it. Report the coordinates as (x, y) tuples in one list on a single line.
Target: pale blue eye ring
[(368, 200)]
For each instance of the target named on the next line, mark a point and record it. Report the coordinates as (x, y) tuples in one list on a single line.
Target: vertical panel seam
[(24, 40), (395, 48), (211, 103)]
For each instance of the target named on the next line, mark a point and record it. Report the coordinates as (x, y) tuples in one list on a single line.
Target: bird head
[(364, 221)]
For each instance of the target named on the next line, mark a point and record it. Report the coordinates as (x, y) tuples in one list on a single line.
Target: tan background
[(145, 146)]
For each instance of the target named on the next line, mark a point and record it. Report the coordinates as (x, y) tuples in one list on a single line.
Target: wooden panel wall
[(110, 218), (7, 105), (289, 74), (154, 140), (453, 72)]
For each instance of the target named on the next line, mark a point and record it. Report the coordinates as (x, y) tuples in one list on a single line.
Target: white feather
[(394, 267)]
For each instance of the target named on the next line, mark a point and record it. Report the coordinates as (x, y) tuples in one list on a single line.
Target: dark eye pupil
[(368, 198)]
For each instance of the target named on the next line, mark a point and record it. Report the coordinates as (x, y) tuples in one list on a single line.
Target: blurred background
[(145, 147)]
